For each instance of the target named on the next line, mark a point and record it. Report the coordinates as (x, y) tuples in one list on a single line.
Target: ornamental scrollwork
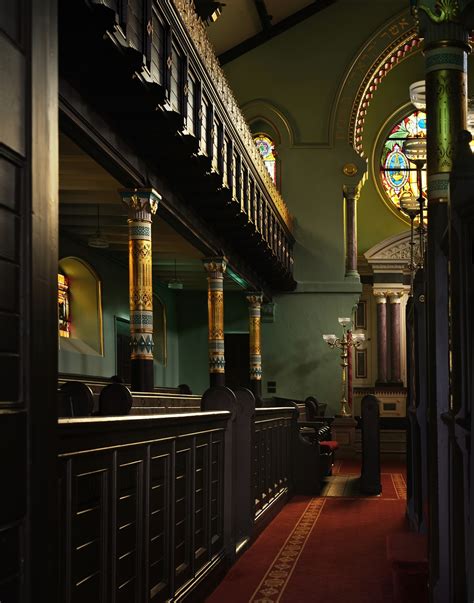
[(444, 10)]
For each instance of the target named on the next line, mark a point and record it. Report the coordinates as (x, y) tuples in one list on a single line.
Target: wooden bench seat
[(162, 400)]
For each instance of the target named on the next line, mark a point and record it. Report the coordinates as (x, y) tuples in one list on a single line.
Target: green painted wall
[(192, 325), (298, 74), (114, 279)]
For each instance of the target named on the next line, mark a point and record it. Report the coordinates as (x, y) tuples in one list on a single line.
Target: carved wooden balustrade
[(153, 70)]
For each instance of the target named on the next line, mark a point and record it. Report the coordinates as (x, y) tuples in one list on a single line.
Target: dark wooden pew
[(314, 450), (72, 395)]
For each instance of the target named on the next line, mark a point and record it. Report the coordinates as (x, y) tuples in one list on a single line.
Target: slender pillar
[(350, 196), (255, 306), (395, 334), (382, 358), (142, 205), (350, 356), (215, 268)]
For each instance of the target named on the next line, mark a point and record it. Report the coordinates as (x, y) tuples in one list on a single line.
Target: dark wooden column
[(350, 196), (445, 50), (255, 307), (142, 205), (215, 268), (28, 301), (382, 358)]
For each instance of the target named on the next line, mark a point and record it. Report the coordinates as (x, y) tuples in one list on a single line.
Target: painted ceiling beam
[(265, 18), (273, 31)]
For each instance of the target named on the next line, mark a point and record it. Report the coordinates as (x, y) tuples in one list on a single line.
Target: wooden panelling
[(271, 460), (142, 505)]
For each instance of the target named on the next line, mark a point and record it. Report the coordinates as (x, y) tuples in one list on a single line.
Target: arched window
[(79, 285), (266, 147), (64, 319), (398, 173)]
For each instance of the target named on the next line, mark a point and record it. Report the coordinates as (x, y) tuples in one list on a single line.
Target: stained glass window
[(267, 150), (64, 321), (398, 173)]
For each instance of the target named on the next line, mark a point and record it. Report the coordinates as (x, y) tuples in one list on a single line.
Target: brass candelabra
[(345, 344)]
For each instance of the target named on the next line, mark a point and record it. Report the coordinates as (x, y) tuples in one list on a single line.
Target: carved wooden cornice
[(205, 50)]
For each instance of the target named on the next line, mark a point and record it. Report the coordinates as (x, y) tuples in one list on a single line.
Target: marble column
[(215, 268), (255, 306), (350, 196), (382, 358), (142, 205), (395, 336)]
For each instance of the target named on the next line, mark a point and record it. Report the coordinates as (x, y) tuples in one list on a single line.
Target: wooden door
[(237, 358), (122, 349)]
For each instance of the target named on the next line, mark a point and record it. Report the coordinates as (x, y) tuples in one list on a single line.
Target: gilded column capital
[(255, 298), (394, 297), (439, 11), (380, 297), (142, 203), (215, 266)]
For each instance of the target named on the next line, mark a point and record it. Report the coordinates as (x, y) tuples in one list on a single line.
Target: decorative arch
[(85, 308), (263, 115), (387, 47)]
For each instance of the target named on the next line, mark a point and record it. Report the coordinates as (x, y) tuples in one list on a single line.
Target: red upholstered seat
[(330, 444)]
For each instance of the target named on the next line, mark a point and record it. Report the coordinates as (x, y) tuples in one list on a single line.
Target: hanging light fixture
[(174, 283), (418, 95), (98, 241)]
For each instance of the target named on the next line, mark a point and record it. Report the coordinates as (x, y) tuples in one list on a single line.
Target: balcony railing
[(166, 50)]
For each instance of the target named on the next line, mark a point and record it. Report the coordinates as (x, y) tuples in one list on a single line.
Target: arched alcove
[(85, 302)]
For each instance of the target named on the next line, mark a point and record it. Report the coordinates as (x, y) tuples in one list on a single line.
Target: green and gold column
[(215, 268), (446, 110), (142, 205), (445, 49), (255, 308)]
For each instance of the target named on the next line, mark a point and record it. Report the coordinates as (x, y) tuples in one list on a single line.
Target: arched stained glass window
[(64, 320), (398, 173), (266, 147)]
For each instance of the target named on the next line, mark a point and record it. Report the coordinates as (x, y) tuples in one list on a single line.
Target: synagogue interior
[(237, 293)]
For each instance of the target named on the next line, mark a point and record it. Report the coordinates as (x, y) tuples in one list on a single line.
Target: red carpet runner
[(328, 550)]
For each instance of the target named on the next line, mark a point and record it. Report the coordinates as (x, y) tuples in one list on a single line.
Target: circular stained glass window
[(397, 172)]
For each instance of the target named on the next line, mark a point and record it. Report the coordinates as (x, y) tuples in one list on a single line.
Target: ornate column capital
[(215, 266), (255, 298), (380, 297), (394, 297), (142, 203)]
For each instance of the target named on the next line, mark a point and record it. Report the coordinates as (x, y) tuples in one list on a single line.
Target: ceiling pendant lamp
[(98, 241), (174, 283)]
